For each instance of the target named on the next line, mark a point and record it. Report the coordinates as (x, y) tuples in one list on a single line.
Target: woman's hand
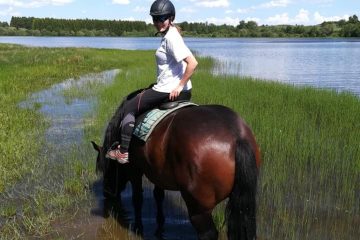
[(191, 64), (176, 92)]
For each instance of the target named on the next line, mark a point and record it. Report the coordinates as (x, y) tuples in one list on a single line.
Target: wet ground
[(66, 131)]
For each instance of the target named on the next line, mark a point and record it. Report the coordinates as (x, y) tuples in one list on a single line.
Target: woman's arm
[(191, 64)]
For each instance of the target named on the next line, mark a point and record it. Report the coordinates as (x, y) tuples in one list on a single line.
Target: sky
[(230, 12)]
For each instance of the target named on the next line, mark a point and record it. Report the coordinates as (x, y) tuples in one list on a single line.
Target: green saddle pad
[(145, 127)]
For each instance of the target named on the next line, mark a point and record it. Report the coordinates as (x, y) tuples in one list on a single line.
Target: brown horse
[(208, 153)]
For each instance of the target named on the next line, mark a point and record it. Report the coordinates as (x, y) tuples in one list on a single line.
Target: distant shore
[(30, 26)]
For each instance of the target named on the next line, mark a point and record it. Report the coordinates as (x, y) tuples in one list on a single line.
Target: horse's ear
[(95, 146)]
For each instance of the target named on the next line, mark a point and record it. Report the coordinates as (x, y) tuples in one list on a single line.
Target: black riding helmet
[(161, 8)]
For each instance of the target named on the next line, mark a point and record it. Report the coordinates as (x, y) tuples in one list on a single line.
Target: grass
[(309, 180), (33, 192)]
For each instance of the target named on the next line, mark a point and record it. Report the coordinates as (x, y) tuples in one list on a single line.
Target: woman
[(175, 65)]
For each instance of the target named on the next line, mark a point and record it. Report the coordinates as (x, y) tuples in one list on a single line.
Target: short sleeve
[(177, 47)]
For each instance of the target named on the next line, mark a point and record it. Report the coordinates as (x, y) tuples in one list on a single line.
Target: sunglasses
[(160, 18)]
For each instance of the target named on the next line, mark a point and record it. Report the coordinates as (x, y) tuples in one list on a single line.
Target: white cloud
[(271, 4), (226, 20), (9, 12), (141, 9), (320, 19), (229, 20), (211, 3), (60, 2), (278, 19), (121, 2), (318, 1), (243, 10), (187, 10), (275, 3), (302, 17), (34, 3)]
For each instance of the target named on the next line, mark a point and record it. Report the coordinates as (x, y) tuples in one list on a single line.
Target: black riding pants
[(139, 104)]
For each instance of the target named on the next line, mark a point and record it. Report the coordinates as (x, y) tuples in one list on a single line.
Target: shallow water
[(65, 133)]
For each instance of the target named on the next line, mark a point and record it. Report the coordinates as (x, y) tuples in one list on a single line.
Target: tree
[(251, 25), (327, 28), (4, 24), (242, 25), (353, 19)]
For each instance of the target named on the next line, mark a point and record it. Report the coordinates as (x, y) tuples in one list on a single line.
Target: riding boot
[(126, 132)]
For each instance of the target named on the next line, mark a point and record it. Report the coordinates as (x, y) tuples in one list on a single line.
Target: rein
[(140, 96)]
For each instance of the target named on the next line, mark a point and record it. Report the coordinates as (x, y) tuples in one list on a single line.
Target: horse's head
[(100, 160)]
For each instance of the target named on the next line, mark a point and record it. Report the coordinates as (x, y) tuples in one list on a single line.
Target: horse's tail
[(241, 207)]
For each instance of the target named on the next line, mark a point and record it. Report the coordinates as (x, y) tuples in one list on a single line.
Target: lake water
[(321, 63)]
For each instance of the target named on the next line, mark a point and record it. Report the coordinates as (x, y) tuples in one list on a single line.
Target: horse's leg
[(137, 201), (204, 225), (159, 195), (201, 219)]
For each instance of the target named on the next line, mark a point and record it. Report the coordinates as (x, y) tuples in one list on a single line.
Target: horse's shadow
[(177, 224)]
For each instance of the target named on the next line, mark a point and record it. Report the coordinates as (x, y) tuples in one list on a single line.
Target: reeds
[(309, 139)]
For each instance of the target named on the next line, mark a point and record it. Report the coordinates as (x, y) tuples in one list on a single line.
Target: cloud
[(9, 12), (243, 10), (320, 19), (211, 3), (278, 19), (275, 3), (140, 9), (316, 2), (121, 2), (33, 3), (59, 2), (187, 10), (271, 4), (226, 20), (301, 18)]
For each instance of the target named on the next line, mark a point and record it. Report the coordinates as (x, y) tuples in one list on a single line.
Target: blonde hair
[(175, 25)]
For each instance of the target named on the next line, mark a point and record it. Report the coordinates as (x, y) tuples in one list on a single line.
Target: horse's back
[(193, 150)]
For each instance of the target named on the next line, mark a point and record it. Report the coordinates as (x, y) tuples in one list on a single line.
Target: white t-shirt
[(170, 64)]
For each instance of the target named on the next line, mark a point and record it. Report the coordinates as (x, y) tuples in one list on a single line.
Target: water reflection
[(66, 119), (322, 63)]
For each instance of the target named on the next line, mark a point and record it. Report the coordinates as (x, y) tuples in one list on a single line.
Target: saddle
[(146, 122)]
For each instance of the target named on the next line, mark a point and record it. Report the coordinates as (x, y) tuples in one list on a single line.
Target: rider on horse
[(175, 66)]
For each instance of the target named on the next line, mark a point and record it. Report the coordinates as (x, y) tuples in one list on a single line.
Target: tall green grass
[(309, 179)]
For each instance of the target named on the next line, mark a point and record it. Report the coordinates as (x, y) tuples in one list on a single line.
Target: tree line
[(31, 26)]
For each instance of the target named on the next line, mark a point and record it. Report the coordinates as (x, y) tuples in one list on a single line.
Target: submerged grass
[(309, 180)]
